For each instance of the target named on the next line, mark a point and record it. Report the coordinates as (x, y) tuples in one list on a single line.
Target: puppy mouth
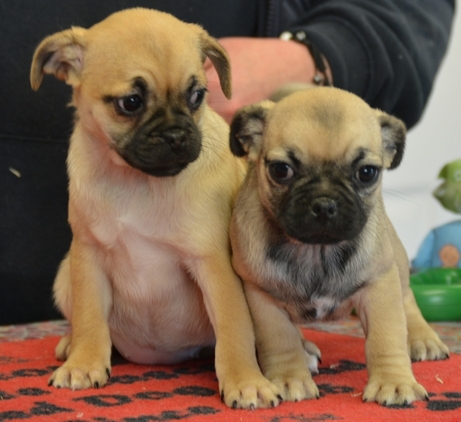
[(322, 221), (310, 230), (322, 237), (163, 154), (159, 162), (169, 170), (159, 165)]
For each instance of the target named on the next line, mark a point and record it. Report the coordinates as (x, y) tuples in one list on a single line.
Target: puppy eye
[(367, 174), (196, 98), (130, 105), (281, 172)]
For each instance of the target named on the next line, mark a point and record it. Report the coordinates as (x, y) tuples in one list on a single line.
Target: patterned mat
[(139, 393), (449, 332)]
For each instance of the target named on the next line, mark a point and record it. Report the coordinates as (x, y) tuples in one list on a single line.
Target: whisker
[(400, 195)]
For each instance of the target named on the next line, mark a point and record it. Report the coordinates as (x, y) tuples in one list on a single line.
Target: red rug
[(138, 393)]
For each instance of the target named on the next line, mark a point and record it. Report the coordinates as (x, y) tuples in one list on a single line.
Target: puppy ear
[(393, 132), (220, 59), (61, 55), (246, 129)]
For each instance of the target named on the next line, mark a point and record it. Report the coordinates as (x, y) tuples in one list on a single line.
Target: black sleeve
[(34, 129), (386, 51)]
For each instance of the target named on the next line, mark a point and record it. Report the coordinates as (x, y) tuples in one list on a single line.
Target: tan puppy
[(152, 183), (311, 239)]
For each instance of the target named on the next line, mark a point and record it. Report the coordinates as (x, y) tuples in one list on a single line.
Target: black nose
[(324, 209), (174, 137)]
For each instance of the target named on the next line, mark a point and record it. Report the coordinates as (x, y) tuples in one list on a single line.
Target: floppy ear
[(246, 129), (220, 59), (61, 55), (393, 132)]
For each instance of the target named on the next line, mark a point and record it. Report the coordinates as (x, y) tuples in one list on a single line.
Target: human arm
[(386, 51), (259, 67)]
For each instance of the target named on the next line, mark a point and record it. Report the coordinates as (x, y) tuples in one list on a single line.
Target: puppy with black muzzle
[(311, 239), (152, 182)]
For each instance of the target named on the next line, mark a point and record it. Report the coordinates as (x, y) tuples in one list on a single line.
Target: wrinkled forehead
[(324, 130), (155, 46)]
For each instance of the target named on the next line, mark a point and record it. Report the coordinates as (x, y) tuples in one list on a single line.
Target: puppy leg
[(281, 349), (62, 291), (89, 346), (313, 354), (380, 308), (423, 341), (241, 382)]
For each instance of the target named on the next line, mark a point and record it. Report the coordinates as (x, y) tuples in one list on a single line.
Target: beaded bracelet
[(321, 77)]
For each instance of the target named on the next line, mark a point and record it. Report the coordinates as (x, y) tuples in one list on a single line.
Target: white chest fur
[(137, 226)]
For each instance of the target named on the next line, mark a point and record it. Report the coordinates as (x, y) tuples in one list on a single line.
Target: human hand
[(259, 67)]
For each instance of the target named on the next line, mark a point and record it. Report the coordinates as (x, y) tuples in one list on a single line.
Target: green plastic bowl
[(438, 293)]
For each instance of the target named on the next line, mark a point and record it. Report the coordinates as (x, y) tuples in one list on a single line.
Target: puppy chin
[(313, 233), (163, 166), (156, 171), (163, 171), (318, 238), (172, 168)]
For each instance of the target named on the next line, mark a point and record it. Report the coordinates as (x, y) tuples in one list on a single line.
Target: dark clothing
[(386, 51)]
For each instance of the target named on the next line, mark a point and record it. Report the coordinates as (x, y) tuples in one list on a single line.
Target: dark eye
[(130, 105), (281, 172), (196, 98), (367, 174)]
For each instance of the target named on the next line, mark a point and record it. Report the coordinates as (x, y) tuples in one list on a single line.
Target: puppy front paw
[(428, 349), (250, 392), (79, 376), (295, 384), (394, 390)]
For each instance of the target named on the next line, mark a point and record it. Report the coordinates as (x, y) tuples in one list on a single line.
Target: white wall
[(435, 141)]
